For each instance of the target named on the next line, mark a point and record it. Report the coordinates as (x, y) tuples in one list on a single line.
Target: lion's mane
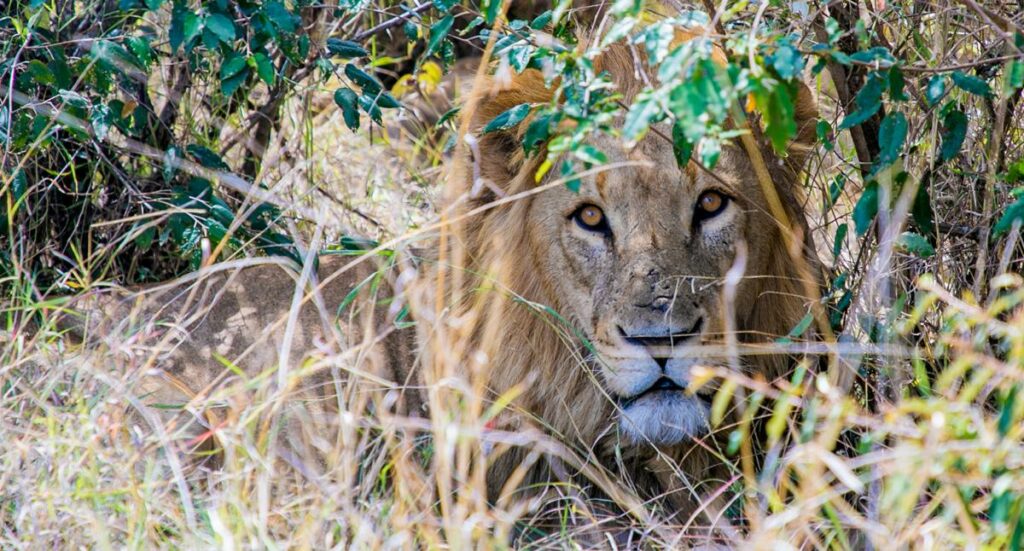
[(538, 351)]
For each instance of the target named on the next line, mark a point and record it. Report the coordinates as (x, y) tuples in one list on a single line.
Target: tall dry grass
[(928, 454)]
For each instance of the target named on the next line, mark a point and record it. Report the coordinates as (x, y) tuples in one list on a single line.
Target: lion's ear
[(805, 111), (499, 156)]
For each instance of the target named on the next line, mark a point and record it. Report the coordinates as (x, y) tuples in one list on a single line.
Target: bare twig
[(995, 152), (393, 22)]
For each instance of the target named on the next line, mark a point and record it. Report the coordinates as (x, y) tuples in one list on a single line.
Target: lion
[(633, 262)]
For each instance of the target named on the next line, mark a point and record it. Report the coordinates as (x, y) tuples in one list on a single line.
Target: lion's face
[(637, 262), (638, 257)]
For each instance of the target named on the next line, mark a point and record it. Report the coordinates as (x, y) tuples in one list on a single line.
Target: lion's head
[(635, 262)]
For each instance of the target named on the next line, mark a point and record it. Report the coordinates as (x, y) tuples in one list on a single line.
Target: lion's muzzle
[(649, 372)]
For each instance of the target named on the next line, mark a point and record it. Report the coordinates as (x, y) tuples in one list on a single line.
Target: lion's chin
[(664, 418)]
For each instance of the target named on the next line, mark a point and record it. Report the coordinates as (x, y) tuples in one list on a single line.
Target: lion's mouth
[(664, 414), (663, 384)]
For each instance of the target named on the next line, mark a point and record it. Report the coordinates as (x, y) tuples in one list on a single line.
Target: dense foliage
[(136, 133)]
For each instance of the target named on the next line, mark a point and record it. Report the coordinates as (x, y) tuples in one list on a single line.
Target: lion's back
[(206, 328)]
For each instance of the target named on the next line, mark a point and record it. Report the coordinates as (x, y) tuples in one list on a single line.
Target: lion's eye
[(710, 204), (592, 218)]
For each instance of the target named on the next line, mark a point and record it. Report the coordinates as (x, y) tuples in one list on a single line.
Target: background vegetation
[(146, 138)]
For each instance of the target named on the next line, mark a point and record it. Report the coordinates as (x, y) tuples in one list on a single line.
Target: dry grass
[(929, 453)]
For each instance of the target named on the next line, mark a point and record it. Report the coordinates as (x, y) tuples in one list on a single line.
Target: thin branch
[(393, 22), (996, 142)]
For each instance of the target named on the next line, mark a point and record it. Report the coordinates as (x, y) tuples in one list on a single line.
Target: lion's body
[(202, 331), (589, 395)]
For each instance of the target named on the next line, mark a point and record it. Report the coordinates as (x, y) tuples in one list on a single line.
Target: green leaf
[(891, 135), (1015, 75), (232, 66), (279, 15), (710, 150), (657, 40), (508, 119), (264, 68), (387, 101), (735, 440), (62, 76), (837, 245), (447, 116), (412, 31), (519, 57), (1013, 214), (368, 83), (971, 84), (1006, 412), (868, 101), (371, 108), (936, 88), (221, 26), (348, 101), (954, 130), (858, 117), (801, 327), (786, 61), (438, 32), (448, 53), (206, 157), (444, 6), (777, 106), (914, 244), (345, 48), (19, 187), (896, 85), (835, 188), (873, 56), (100, 119), (590, 154), (866, 209), (681, 147), (176, 34), (115, 57), (572, 183), (490, 9), (924, 216), (355, 243), (189, 239), (1015, 172), (639, 118), (40, 73), (191, 28), (221, 211), (233, 73), (824, 132), (1002, 501), (141, 49), (171, 160), (541, 21), (74, 99), (537, 133), (145, 238)]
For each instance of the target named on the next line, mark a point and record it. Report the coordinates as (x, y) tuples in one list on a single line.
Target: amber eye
[(591, 217), (711, 203)]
